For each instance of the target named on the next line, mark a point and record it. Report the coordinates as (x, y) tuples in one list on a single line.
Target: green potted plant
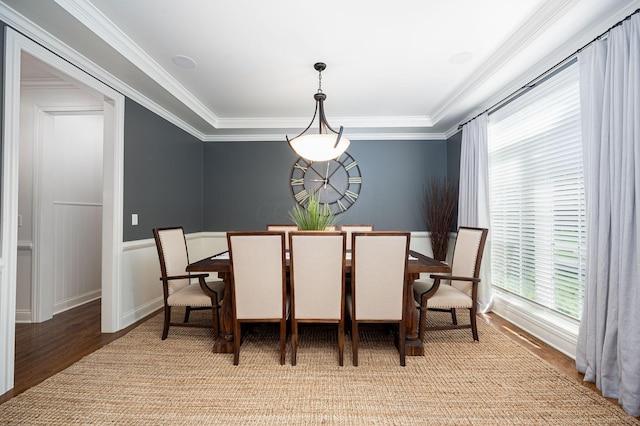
[(312, 217), (441, 197)]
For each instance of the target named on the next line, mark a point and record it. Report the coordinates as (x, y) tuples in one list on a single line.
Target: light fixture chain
[(319, 81)]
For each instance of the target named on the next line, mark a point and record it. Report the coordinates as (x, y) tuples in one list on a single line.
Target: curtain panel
[(473, 196), (609, 337)]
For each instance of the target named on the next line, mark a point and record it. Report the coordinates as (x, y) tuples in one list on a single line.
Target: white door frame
[(113, 155), (42, 296)]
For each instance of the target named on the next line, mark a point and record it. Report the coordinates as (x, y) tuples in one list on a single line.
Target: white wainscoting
[(142, 290), (77, 264)]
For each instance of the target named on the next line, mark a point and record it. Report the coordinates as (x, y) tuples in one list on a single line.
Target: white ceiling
[(394, 69)]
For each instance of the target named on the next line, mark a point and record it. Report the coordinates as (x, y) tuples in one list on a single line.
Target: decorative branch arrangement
[(441, 198)]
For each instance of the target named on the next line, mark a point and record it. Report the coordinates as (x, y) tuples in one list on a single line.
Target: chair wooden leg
[(187, 311), (283, 340), (236, 343), (341, 343), (354, 341), (474, 326), (294, 342), (454, 317), (167, 320), (401, 334)]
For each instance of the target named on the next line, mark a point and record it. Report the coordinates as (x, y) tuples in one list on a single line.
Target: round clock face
[(335, 183)]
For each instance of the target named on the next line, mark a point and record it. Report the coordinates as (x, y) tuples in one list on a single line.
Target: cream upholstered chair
[(348, 229), (378, 283), (286, 228), (462, 292), (317, 283), (176, 282), (258, 280)]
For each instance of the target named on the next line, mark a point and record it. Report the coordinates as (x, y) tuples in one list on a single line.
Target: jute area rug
[(142, 380)]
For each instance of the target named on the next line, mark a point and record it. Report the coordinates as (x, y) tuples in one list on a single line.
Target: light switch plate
[(134, 219)]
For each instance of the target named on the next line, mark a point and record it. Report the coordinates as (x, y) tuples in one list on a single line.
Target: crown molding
[(548, 14), (98, 23), (301, 123), (37, 34), (576, 42), (91, 17), (387, 136)]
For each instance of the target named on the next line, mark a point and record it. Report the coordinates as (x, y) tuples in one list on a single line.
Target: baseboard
[(141, 312), (23, 316), (76, 301)]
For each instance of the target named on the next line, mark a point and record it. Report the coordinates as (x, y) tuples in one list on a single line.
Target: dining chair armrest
[(182, 277), (454, 277)]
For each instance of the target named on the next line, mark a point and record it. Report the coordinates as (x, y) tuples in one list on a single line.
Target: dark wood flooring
[(45, 349)]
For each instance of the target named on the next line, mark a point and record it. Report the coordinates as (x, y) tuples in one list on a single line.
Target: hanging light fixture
[(321, 146)]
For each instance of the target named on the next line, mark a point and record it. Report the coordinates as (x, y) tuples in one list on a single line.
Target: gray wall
[(163, 172), (454, 144), (247, 183)]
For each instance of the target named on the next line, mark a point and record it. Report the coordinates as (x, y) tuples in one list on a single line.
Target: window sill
[(556, 330)]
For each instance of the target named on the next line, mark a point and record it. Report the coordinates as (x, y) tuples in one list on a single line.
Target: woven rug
[(142, 380)]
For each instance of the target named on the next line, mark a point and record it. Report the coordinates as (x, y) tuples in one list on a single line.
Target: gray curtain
[(473, 198), (609, 337)]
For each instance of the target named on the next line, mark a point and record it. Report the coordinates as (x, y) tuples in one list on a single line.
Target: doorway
[(112, 200)]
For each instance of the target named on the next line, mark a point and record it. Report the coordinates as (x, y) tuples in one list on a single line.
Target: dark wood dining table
[(417, 264)]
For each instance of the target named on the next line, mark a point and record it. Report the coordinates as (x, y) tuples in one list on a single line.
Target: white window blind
[(538, 237)]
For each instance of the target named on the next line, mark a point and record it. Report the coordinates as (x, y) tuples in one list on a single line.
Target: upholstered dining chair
[(317, 283), (258, 280), (286, 228), (177, 286), (462, 290), (378, 283), (348, 229)]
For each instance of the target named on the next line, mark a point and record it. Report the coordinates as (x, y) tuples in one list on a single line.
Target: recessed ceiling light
[(460, 58), (184, 62)]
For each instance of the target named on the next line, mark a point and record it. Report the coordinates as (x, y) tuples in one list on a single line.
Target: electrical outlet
[(134, 219)]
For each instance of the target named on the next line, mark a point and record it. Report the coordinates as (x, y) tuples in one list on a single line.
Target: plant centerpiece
[(312, 217), (441, 197)]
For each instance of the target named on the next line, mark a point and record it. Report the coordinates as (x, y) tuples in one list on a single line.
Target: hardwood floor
[(45, 349)]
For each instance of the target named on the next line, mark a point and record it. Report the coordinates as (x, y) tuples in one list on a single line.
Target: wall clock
[(336, 182)]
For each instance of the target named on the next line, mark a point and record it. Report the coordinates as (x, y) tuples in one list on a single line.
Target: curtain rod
[(535, 81)]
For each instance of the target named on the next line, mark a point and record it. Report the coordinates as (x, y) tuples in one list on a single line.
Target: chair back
[(467, 256), (258, 274), (349, 229), (286, 228), (317, 275), (173, 255), (379, 275)]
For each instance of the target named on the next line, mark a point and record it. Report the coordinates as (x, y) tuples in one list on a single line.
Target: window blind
[(538, 238)]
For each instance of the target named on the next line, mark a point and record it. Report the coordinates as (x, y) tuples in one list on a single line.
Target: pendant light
[(321, 146)]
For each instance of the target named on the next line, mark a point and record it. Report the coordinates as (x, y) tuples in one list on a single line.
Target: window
[(538, 225)]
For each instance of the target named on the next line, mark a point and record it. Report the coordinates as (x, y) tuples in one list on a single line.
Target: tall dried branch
[(441, 198)]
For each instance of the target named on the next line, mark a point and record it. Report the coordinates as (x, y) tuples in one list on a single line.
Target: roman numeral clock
[(335, 183)]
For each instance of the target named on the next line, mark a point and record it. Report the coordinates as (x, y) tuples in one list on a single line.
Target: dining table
[(220, 263)]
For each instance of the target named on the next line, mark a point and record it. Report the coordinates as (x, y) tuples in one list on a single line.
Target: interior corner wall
[(163, 175), (247, 183)]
